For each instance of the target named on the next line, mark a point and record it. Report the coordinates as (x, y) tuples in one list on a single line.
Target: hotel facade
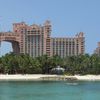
[(97, 50), (36, 40)]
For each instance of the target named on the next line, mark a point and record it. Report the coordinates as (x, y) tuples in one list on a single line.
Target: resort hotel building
[(36, 40), (97, 50)]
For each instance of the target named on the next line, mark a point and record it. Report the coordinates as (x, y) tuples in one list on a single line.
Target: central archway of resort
[(5, 47)]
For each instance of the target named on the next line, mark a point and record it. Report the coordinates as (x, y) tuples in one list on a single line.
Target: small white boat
[(72, 83)]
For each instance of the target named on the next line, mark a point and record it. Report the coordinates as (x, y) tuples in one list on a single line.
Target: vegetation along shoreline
[(24, 64)]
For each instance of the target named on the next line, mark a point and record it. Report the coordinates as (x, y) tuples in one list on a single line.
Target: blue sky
[(67, 17)]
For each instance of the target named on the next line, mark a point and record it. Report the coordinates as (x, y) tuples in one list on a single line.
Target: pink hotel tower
[(36, 40)]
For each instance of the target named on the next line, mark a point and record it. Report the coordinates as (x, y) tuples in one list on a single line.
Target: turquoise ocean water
[(49, 90)]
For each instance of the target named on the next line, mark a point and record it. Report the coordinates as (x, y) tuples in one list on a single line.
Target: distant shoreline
[(39, 77)]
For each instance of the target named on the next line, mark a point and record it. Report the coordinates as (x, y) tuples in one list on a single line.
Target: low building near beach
[(58, 70)]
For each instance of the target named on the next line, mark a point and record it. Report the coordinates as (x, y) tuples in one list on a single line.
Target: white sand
[(38, 76), (24, 77), (88, 77)]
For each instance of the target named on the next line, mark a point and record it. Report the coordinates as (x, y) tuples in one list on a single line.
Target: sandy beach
[(50, 77), (24, 77), (88, 77)]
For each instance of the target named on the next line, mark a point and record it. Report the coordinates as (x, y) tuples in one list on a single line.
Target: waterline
[(20, 77)]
